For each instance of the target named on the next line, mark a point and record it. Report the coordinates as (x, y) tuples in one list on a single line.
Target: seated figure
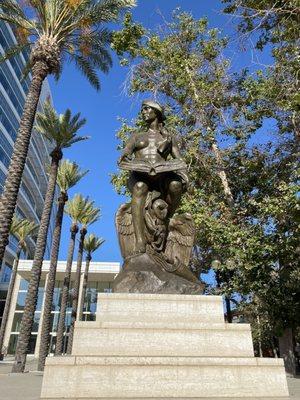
[(155, 164)]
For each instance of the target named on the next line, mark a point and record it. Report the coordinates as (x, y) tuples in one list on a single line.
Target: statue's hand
[(124, 157)]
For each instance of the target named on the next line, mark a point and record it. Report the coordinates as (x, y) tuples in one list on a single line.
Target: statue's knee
[(140, 189), (175, 187)]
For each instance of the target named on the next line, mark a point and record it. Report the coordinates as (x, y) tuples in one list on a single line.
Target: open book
[(153, 168)]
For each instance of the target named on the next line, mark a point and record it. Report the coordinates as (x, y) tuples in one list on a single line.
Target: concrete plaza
[(27, 386)]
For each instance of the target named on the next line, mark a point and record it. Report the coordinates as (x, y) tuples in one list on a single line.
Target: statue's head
[(160, 208), (151, 110)]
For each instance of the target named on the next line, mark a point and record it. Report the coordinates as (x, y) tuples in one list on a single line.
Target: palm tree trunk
[(32, 294), (9, 297), (65, 292), (84, 285), (9, 196), (46, 328), (83, 232)]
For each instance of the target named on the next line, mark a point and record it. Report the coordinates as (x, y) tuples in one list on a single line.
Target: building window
[(13, 243), (18, 314), (13, 343), (5, 277), (28, 194), (91, 296), (89, 311), (3, 294)]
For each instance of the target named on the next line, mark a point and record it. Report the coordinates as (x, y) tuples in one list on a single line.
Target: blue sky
[(101, 109)]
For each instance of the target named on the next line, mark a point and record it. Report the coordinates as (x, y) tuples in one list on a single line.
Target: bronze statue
[(150, 236)]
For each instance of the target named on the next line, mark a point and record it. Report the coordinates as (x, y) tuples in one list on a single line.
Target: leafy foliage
[(245, 197)]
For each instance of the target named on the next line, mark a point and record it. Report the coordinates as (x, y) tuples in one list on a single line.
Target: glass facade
[(13, 91), (89, 311), (18, 314)]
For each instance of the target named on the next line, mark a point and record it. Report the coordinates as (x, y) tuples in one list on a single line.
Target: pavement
[(27, 386)]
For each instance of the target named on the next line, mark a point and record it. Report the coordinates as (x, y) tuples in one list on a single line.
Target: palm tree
[(91, 244), (21, 228), (90, 216), (75, 208), (61, 131), (54, 31), (68, 175)]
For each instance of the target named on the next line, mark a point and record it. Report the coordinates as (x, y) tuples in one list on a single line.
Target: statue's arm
[(128, 149), (175, 152)]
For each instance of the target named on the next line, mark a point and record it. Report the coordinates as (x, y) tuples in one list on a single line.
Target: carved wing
[(180, 239), (125, 230)]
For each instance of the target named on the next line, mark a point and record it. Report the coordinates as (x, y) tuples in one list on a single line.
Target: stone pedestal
[(162, 346), (141, 274)]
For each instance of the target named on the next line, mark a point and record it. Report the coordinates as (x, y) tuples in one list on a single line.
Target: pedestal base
[(145, 346), (140, 274)]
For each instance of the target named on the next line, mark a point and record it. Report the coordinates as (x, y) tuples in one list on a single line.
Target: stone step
[(102, 338), (163, 378), (159, 307)]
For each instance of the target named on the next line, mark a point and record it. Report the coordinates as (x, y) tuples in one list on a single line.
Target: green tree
[(91, 244), (21, 229), (90, 216), (61, 130), (53, 31), (275, 24), (184, 66), (68, 176), (276, 93), (245, 196)]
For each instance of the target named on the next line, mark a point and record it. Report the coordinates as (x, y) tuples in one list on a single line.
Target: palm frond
[(91, 214), (87, 70), (70, 142), (92, 243), (13, 51), (74, 29), (23, 228), (61, 129), (68, 175), (76, 207), (29, 228), (11, 12), (15, 225), (26, 70)]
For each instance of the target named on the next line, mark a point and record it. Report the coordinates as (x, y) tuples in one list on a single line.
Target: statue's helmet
[(156, 106)]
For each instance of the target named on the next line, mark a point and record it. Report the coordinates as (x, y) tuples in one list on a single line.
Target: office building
[(100, 278)]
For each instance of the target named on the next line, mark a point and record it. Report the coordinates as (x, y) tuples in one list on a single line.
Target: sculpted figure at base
[(150, 236)]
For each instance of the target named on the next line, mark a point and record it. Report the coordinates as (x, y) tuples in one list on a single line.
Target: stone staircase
[(148, 346)]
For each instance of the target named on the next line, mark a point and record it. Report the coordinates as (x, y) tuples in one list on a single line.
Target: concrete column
[(80, 290), (12, 310)]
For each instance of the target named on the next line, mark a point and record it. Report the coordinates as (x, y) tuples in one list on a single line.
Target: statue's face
[(148, 113)]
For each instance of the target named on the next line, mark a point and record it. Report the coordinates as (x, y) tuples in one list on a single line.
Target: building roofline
[(95, 266)]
